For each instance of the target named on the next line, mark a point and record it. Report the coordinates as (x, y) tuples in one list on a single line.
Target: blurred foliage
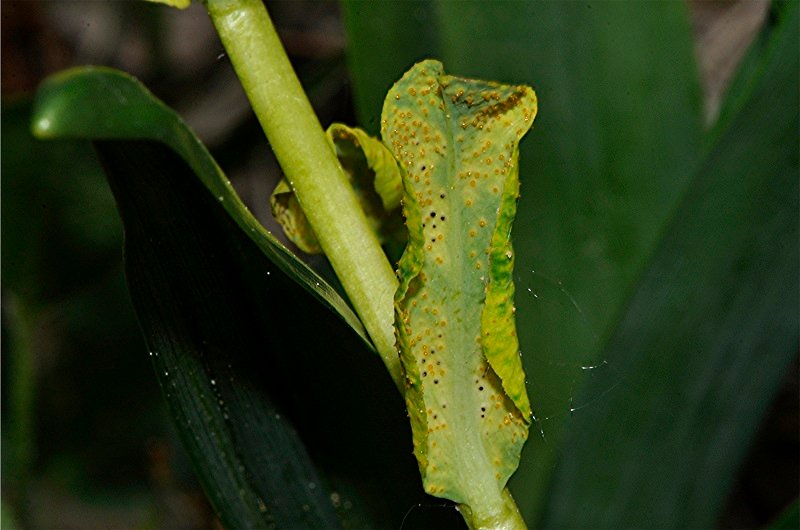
[(56, 210), (66, 311), (657, 268), (610, 169), (789, 519)]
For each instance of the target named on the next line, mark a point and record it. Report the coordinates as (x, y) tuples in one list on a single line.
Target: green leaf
[(789, 519), (42, 222), (375, 177), (6, 518), (225, 311), (371, 167), (751, 69), (286, 210), (707, 335), (180, 4), (205, 331), (60, 238), (457, 140), (613, 149), (124, 109)]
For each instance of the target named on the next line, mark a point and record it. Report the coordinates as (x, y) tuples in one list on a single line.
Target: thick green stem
[(504, 516), (311, 167)]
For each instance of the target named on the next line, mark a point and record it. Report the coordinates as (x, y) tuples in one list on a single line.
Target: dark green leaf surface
[(60, 238), (789, 519), (201, 323), (42, 221), (121, 108), (706, 337), (611, 153), (226, 313), (751, 68)]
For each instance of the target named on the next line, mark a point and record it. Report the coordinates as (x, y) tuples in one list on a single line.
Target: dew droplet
[(336, 499)]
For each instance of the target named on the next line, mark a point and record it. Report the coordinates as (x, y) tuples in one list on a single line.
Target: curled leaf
[(290, 216), (457, 142), (375, 177)]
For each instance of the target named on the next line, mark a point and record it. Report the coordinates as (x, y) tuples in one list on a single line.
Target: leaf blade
[(373, 174), (189, 247), (457, 142), (123, 108), (200, 366), (712, 374), (610, 156)]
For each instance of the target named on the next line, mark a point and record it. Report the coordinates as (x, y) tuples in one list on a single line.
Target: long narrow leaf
[(707, 335), (101, 103), (201, 323), (611, 153), (247, 356)]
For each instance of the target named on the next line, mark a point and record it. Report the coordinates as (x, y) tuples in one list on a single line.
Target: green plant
[(205, 276)]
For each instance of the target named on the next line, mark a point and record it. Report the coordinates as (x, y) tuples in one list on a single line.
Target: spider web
[(561, 348)]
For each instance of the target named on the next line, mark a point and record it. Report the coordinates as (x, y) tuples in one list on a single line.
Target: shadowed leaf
[(706, 337), (372, 172), (226, 311)]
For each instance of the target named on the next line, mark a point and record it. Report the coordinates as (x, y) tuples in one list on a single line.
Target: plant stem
[(324, 193), (506, 517), (311, 167)]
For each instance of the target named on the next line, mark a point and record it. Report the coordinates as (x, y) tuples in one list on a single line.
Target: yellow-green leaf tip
[(180, 4)]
